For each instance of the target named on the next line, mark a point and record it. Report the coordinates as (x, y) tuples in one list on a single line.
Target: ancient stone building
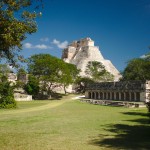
[(125, 91), (12, 77), (82, 51), (23, 78), (19, 93)]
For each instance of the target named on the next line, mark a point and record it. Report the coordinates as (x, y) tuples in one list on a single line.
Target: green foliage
[(137, 69), (21, 78), (147, 56), (16, 21), (51, 71), (82, 82), (43, 65), (8, 102), (4, 70), (69, 74), (96, 70), (6, 94), (46, 68), (32, 87), (21, 72)]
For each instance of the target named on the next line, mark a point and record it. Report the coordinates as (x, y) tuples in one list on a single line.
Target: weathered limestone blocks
[(22, 97)]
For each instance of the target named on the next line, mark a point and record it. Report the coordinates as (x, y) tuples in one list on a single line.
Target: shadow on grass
[(137, 114), (57, 96), (54, 96), (127, 136)]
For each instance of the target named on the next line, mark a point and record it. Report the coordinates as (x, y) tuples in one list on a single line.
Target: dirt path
[(52, 104)]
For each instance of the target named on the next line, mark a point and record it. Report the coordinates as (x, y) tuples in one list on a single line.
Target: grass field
[(68, 124)]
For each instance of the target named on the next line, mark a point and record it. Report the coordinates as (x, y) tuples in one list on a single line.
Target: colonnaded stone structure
[(81, 52), (125, 91)]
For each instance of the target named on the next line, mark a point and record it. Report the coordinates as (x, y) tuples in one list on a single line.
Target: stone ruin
[(125, 91), (12, 77), (81, 52), (19, 93)]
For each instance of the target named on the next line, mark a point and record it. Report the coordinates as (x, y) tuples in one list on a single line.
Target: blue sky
[(121, 28)]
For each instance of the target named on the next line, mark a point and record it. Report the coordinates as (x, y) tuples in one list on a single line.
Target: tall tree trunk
[(148, 106), (65, 90)]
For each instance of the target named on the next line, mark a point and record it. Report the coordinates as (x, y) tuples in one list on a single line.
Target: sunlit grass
[(61, 125)]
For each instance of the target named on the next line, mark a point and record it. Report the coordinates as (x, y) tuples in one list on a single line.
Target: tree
[(82, 83), (147, 56), (46, 68), (7, 94), (32, 87), (69, 74), (21, 72), (96, 70), (137, 69), (22, 76), (51, 71), (16, 21), (6, 89), (4, 70)]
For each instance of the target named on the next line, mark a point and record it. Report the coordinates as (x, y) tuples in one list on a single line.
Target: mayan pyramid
[(81, 52)]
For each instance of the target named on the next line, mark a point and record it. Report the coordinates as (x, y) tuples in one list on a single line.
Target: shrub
[(8, 102), (7, 94)]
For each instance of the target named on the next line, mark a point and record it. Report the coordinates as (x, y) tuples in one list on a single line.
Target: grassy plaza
[(69, 124)]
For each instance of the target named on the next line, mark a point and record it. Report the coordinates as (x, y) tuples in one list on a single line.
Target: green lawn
[(71, 125)]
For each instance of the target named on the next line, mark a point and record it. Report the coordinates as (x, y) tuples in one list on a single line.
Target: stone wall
[(22, 97)]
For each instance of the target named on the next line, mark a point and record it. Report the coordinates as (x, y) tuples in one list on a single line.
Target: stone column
[(110, 95), (102, 96), (114, 95), (96, 95), (129, 96), (93, 95), (124, 96), (99, 95), (87, 94), (119, 96), (135, 98), (106, 95)]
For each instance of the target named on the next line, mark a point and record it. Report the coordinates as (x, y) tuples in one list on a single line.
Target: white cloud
[(59, 44), (38, 46), (44, 39), (143, 56), (41, 46), (55, 42), (28, 45)]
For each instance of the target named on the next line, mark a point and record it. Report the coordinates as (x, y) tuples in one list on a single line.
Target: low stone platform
[(115, 103)]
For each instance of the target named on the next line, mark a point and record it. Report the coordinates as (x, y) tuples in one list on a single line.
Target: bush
[(7, 94), (8, 102)]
